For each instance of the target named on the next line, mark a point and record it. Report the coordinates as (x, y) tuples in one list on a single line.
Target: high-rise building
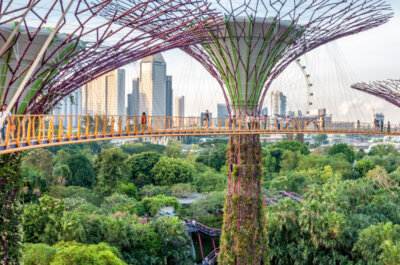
[(152, 86), (380, 117), (133, 99), (69, 105), (222, 111), (105, 95), (169, 97), (278, 103), (179, 110), (264, 112), (291, 114)]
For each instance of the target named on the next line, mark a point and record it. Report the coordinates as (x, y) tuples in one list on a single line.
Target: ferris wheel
[(307, 77)]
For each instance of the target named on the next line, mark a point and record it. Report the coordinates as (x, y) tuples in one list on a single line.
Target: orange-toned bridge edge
[(24, 132)]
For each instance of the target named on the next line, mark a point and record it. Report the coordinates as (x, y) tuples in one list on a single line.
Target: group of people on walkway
[(380, 126)]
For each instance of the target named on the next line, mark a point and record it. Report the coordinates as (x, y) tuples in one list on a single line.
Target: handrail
[(33, 131)]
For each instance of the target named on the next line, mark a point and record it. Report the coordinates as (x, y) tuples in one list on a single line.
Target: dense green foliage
[(89, 201), (141, 166), (81, 172), (11, 182), (168, 171), (71, 253)]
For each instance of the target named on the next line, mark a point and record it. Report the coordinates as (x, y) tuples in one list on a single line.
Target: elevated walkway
[(25, 132)]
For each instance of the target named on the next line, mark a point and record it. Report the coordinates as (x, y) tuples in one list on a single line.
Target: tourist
[(248, 122), (205, 262), (4, 128), (143, 121), (265, 118), (388, 127), (206, 117), (358, 125)]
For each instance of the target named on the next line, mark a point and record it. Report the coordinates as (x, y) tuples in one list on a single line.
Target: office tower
[(264, 112), (179, 110), (222, 111), (278, 103), (169, 103), (105, 95), (152, 86), (322, 112), (69, 105), (380, 117), (291, 114), (133, 99), (299, 113)]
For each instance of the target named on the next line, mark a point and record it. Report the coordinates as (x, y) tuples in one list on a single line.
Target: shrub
[(38, 254), (152, 205), (169, 171)]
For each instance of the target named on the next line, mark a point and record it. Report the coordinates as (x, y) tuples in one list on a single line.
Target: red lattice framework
[(322, 21), (388, 90), (91, 45)]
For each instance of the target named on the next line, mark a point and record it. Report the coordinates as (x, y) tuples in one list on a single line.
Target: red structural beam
[(95, 37), (388, 90)]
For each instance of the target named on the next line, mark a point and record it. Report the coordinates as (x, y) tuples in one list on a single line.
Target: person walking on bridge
[(4, 127), (143, 121), (207, 118)]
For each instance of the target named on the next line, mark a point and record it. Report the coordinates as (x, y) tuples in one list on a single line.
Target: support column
[(244, 239), (201, 246)]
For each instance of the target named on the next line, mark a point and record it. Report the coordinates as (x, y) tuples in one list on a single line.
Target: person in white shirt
[(3, 130)]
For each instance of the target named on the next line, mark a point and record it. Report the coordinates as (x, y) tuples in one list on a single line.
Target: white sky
[(368, 56)]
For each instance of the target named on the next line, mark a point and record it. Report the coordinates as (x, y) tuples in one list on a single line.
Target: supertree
[(48, 51), (258, 40), (49, 48), (388, 90)]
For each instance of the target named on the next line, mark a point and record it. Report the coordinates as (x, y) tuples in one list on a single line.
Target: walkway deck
[(36, 131)]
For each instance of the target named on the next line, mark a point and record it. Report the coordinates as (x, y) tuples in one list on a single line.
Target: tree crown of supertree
[(88, 44), (388, 90), (284, 30)]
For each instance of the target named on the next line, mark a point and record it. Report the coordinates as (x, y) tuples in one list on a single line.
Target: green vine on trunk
[(244, 239), (11, 182)]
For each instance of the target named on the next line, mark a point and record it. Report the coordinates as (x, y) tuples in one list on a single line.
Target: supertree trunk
[(11, 182), (244, 239)]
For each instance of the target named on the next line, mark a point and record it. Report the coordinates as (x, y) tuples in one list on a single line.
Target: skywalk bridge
[(24, 132)]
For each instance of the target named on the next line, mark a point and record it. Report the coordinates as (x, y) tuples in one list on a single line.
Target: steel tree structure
[(388, 90), (258, 40), (49, 51), (49, 48)]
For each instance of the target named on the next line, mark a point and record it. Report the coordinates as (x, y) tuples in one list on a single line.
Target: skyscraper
[(179, 110), (222, 111), (152, 86), (169, 97), (278, 103), (105, 95), (133, 99)]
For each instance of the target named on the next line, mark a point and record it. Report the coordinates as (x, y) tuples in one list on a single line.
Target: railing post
[(51, 128), (69, 128), (96, 120), (120, 125), (78, 130), (87, 126), (60, 127), (127, 124)]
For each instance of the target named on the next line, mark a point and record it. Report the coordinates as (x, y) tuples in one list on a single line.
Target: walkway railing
[(33, 131)]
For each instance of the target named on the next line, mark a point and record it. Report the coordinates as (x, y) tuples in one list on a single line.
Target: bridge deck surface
[(24, 132)]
